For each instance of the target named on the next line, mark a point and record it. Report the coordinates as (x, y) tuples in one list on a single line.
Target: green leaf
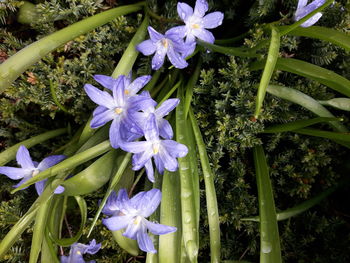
[(270, 250), (325, 134), (291, 126), (66, 242), (305, 101), (298, 209), (18, 63), (91, 178), (311, 71), (125, 243), (69, 163), (48, 251), (10, 153), (268, 69), (323, 33), (210, 193), (338, 103), (188, 207), (170, 214)]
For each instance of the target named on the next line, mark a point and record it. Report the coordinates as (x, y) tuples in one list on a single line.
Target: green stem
[(268, 70), (54, 97), (19, 62)]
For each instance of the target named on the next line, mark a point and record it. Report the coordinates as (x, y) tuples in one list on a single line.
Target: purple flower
[(164, 152), (163, 110), (30, 169), (117, 107), (131, 214), (170, 44), (77, 250), (196, 22), (303, 10)]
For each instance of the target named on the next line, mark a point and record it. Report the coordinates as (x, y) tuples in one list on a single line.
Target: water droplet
[(266, 247)]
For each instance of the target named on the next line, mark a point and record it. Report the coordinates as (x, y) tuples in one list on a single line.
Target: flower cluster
[(179, 42), (303, 9), (77, 250), (131, 214), (30, 168), (134, 116)]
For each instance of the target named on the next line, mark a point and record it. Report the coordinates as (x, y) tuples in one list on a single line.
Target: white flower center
[(165, 42), (35, 172), (155, 148), (118, 110), (137, 220)]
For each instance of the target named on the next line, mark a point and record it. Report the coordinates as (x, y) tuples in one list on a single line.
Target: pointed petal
[(159, 164), (200, 8), (166, 107), (137, 84), (92, 248), (213, 20), (136, 147), (176, 59), (23, 158), (118, 91), (170, 163), (64, 259), (159, 229), (111, 205), (40, 186), (176, 32), (154, 35), (151, 130), (149, 203), (184, 11), (204, 35), (50, 161), (158, 58), (302, 3), (147, 47), (139, 159), (145, 242), (136, 199), (102, 98), (165, 129), (99, 110), (59, 190), (114, 133), (132, 228), (101, 119), (25, 179), (174, 148), (190, 39), (138, 102), (105, 81), (15, 173), (115, 223), (149, 170), (312, 20)]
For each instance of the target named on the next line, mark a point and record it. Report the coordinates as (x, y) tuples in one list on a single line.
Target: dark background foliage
[(300, 166)]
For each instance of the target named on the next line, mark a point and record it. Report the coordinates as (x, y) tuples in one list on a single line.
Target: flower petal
[(139, 159), (200, 8), (15, 173), (213, 20), (138, 102), (114, 133), (99, 110), (115, 223), (118, 91), (149, 170), (158, 58), (92, 248), (312, 20), (64, 259), (145, 242), (159, 164), (39, 186), (151, 129), (133, 228), (50, 161), (149, 203), (136, 147), (302, 3), (176, 32), (184, 11), (23, 158), (166, 107), (165, 129), (137, 84), (25, 179), (111, 205), (105, 81), (147, 47), (154, 35), (102, 98), (174, 148), (170, 163), (176, 59), (204, 35), (101, 119), (159, 229), (59, 190)]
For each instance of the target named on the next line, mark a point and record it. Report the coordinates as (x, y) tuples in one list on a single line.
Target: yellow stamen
[(78, 252), (126, 92), (118, 110), (165, 42), (137, 220), (195, 26), (155, 148)]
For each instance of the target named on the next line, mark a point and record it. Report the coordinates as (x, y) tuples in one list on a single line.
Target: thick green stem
[(18, 63)]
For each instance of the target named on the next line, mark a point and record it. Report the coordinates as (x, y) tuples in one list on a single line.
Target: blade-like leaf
[(338, 103), (291, 126), (270, 250), (345, 137)]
